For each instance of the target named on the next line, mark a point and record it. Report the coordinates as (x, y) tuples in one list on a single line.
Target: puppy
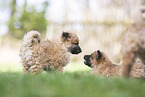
[(133, 47), (101, 65), (37, 55), (134, 42)]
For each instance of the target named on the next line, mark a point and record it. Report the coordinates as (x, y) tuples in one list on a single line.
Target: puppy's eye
[(91, 57), (35, 36), (39, 40), (76, 43), (32, 40)]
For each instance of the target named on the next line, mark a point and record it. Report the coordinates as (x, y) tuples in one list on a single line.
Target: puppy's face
[(72, 42), (95, 57)]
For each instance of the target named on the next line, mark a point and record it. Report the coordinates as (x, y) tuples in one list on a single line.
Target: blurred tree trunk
[(13, 7), (11, 21)]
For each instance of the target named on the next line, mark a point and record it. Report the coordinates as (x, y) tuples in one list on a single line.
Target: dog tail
[(31, 38)]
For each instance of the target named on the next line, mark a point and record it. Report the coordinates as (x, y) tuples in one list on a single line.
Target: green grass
[(75, 82), (80, 84)]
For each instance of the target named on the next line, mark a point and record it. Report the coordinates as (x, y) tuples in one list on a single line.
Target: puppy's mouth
[(87, 60)]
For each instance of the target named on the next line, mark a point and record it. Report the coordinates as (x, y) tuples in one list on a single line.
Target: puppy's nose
[(86, 57), (79, 49)]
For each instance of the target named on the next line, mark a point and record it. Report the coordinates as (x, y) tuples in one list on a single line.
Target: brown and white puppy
[(101, 65), (37, 55)]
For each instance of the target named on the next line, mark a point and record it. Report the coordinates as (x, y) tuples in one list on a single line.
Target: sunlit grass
[(8, 67), (17, 67), (76, 67)]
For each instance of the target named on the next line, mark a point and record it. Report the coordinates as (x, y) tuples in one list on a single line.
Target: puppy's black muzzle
[(87, 60), (76, 50)]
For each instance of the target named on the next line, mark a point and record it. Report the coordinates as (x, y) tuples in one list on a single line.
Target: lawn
[(70, 84)]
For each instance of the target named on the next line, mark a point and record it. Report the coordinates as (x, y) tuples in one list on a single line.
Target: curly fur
[(29, 52), (37, 55)]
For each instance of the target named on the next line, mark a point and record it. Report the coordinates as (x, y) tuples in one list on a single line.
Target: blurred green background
[(99, 24)]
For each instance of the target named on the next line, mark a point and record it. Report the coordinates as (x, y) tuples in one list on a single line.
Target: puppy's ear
[(66, 35), (99, 55)]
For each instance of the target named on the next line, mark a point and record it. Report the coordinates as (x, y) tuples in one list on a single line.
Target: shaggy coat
[(37, 55), (101, 65), (133, 47), (134, 42)]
